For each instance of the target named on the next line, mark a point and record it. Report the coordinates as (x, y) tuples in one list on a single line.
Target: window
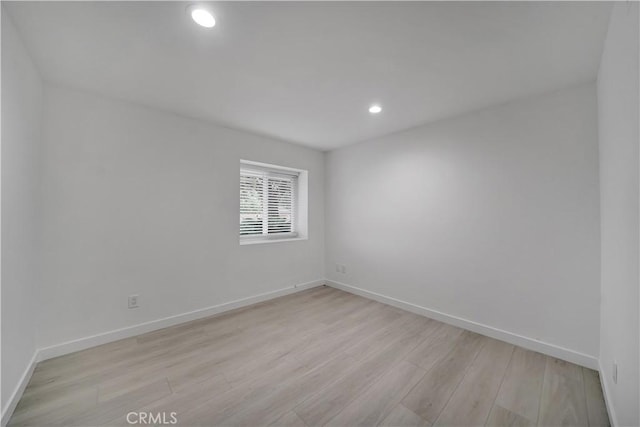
[(268, 202)]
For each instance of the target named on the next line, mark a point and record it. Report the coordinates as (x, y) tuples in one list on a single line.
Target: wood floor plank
[(54, 409), (178, 402), (436, 346), (40, 402), (290, 419), (502, 417), (99, 353), (124, 366), (336, 338), (564, 368), (361, 349), (472, 400), (326, 404), (176, 365), (51, 373), (218, 407), (400, 416), (596, 408), (317, 357), (373, 406), (335, 316), (285, 396), (185, 382), (563, 401), (240, 402), (252, 369), (522, 384), (432, 393), (120, 406)]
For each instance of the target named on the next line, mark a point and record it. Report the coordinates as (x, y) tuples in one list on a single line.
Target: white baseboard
[(613, 419), (131, 331), (141, 328), (17, 393), (512, 338)]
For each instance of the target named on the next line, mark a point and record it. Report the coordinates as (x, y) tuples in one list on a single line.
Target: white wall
[(21, 148), (139, 201), (619, 191), (492, 217)]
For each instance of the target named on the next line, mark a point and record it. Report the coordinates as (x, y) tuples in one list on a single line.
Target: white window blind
[(267, 203)]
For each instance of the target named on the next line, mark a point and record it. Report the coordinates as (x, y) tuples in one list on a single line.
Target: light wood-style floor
[(318, 357)]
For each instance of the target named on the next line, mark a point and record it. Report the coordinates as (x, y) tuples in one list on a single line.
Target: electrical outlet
[(343, 269), (133, 301), (614, 372), (337, 268)]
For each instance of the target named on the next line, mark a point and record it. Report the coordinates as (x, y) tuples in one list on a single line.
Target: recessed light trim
[(375, 109), (201, 16)]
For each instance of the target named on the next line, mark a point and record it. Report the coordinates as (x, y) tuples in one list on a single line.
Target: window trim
[(261, 241), (275, 171)]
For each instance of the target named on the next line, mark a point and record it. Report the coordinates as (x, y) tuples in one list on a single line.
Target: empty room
[(320, 213)]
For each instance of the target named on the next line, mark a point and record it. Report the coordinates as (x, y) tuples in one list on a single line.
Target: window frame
[(268, 170)]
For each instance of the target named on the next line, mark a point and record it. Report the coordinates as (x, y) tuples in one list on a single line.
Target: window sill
[(261, 241)]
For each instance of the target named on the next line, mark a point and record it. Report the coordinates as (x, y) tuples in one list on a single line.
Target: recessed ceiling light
[(201, 16), (375, 109)]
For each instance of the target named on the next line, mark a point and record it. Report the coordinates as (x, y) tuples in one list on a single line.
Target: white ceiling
[(306, 72)]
